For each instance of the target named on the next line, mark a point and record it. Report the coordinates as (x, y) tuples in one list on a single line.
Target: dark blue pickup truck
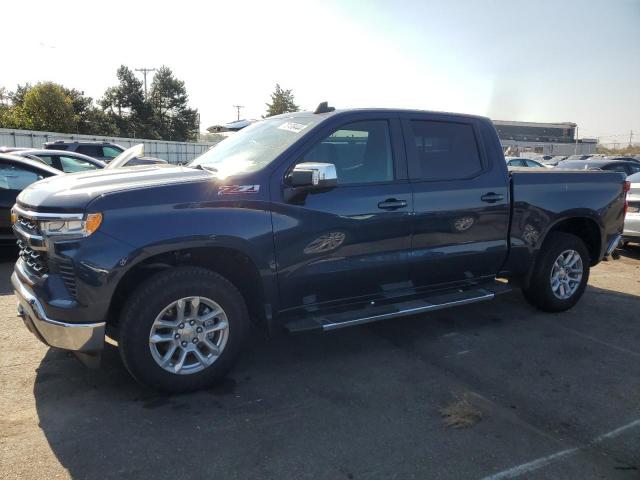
[(300, 222)]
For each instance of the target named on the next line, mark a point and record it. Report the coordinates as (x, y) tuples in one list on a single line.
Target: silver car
[(632, 220)]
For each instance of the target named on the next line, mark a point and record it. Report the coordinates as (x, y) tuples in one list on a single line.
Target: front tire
[(183, 329), (560, 274)]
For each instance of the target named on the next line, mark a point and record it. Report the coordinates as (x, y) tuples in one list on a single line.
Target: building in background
[(543, 138)]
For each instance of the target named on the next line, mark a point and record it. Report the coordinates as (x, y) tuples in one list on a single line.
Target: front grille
[(35, 260), (27, 225), (68, 277)]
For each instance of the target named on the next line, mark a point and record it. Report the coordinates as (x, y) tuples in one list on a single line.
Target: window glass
[(517, 163), (634, 168), (618, 168), (13, 177), (70, 165), (443, 151), (91, 150), (361, 152), (111, 152), (255, 146), (48, 159), (531, 163)]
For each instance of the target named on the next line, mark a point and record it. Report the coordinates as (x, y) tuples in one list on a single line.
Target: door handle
[(392, 204), (491, 197)]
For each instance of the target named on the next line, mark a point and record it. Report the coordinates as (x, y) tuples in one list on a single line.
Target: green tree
[(44, 106), (282, 101), (125, 105), (172, 118)]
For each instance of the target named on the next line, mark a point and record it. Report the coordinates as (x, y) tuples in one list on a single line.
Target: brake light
[(626, 186)]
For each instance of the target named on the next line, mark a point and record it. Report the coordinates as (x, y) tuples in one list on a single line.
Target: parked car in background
[(628, 158), (579, 157), (132, 157), (622, 166), (6, 149), (105, 151), (68, 162), (523, 162), (17, 173), (632, 220), (552, 161)]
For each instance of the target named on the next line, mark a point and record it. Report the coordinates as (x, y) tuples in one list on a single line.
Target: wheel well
[(235, 266), (588, 231)]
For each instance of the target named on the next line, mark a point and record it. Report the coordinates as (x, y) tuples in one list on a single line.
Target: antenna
[(323, 107)]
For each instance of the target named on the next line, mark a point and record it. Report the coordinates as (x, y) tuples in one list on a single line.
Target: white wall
[(173, 152)]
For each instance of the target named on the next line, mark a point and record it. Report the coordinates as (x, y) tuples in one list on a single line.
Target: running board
[(374, 313)]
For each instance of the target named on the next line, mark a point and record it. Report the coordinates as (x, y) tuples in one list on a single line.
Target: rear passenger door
[(461, 202)]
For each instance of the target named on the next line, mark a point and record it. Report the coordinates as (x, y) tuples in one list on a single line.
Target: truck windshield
[(255, 146)]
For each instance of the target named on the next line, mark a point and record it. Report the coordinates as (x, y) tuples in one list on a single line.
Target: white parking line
[(541, 462)]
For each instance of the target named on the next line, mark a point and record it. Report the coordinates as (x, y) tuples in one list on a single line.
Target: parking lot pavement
[(544, 396)]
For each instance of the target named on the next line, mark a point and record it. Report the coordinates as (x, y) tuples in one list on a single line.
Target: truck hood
[(74, 191)]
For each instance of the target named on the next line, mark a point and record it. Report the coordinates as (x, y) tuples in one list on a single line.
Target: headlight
[(71, 227)]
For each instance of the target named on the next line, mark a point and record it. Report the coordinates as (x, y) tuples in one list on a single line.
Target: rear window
[(91, 150), (442, 151)]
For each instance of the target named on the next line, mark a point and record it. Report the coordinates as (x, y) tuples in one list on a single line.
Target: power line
[(144, 72), (238, 107)]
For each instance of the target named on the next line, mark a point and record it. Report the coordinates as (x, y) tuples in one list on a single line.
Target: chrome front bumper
[(81, 338)]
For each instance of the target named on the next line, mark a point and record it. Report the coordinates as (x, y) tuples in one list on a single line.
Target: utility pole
[(144, 72), (238, 107), (575, 151), (631, 138)]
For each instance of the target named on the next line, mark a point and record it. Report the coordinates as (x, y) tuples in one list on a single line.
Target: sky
[(543, 60)]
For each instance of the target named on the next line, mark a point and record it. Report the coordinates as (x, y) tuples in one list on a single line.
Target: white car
[(632, 220)]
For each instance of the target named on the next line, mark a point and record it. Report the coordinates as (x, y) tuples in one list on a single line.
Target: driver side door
[(351, 241)]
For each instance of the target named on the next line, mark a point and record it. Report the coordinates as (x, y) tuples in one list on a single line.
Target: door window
[(442, 151), (111, 152), (13, 177), (70, 165), (48, 159), (360, 151), (633, 168), (618, 168)]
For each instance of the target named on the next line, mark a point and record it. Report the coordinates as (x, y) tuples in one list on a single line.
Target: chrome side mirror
[(313, 175)]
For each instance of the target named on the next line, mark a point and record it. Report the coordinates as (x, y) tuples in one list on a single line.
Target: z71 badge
[(233, 189)]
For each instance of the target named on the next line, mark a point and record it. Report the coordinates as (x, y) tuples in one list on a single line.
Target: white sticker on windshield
[(292, 127)]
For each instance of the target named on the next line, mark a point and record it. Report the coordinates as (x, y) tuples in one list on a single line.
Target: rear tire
[(560, 274), (206, 322)]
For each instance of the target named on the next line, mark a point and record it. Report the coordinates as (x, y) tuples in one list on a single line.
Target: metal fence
[(173, 152)]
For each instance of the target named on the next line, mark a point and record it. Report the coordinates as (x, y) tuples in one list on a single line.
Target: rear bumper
[(78, 337)]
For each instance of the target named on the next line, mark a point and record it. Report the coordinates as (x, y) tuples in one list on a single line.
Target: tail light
[(626, 186)]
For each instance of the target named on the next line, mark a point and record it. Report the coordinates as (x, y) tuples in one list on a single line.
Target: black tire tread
[(161, 284), (538, 292)]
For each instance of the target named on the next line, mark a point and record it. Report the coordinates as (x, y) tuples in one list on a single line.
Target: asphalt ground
[(493, 390)]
